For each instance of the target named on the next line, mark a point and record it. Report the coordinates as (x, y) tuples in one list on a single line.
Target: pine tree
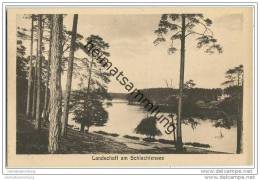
[(45, 111), (39, 69), (28, 105), (182, 26), (64, 119), (96, 85), (234, 104)]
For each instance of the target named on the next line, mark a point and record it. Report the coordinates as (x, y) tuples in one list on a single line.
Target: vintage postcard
[(129, 87)]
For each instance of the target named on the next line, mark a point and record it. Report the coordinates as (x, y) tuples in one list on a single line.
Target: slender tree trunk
[(34, 91), (46, 101), (55, 85), (87, 129), (82, 126), (64, 119), (174, 136), (179, 145), (86, 108), (38, 103), (83, 123), (240, 121), (89, 77), (238, 82), (28, 105), (174, 132), (35, 83), (239, 129)]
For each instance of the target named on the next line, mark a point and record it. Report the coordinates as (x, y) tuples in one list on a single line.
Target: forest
[(39, 77), (44, 108)]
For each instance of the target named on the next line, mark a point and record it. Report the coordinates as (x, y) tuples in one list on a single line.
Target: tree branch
[(193, 32), (206, 28), (175, 35)]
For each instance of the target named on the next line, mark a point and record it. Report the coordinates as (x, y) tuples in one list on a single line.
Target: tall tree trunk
[(87, 130), (28, 105), (38, 103), (240, 121), (83, 123), (86, 108), (174, 132), (55, 85), (64, 119), (89, 77), (82, 126), (35, 84), (238, 82), (179, 145), (46, 99)]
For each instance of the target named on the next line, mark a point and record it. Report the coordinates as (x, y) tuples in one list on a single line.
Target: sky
[(131, 37)]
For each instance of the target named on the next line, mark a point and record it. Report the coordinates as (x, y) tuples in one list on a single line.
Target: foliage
[(22, 62), (231, 106), (168, 96), (96, 115), (234, 76), (21, 74), (170, 25), (189, 84), (148, 127), (99, 78), (66, 44)]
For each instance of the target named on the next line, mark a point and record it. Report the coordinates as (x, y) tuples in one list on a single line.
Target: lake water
[(124, 118)]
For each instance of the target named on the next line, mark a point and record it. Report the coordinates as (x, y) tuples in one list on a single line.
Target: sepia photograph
[(133, 84)]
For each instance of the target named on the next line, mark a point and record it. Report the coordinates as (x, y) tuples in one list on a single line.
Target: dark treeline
[(164, 96), (197, 102), (118, 95)]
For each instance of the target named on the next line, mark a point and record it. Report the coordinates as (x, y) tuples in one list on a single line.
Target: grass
[(31, 141)]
